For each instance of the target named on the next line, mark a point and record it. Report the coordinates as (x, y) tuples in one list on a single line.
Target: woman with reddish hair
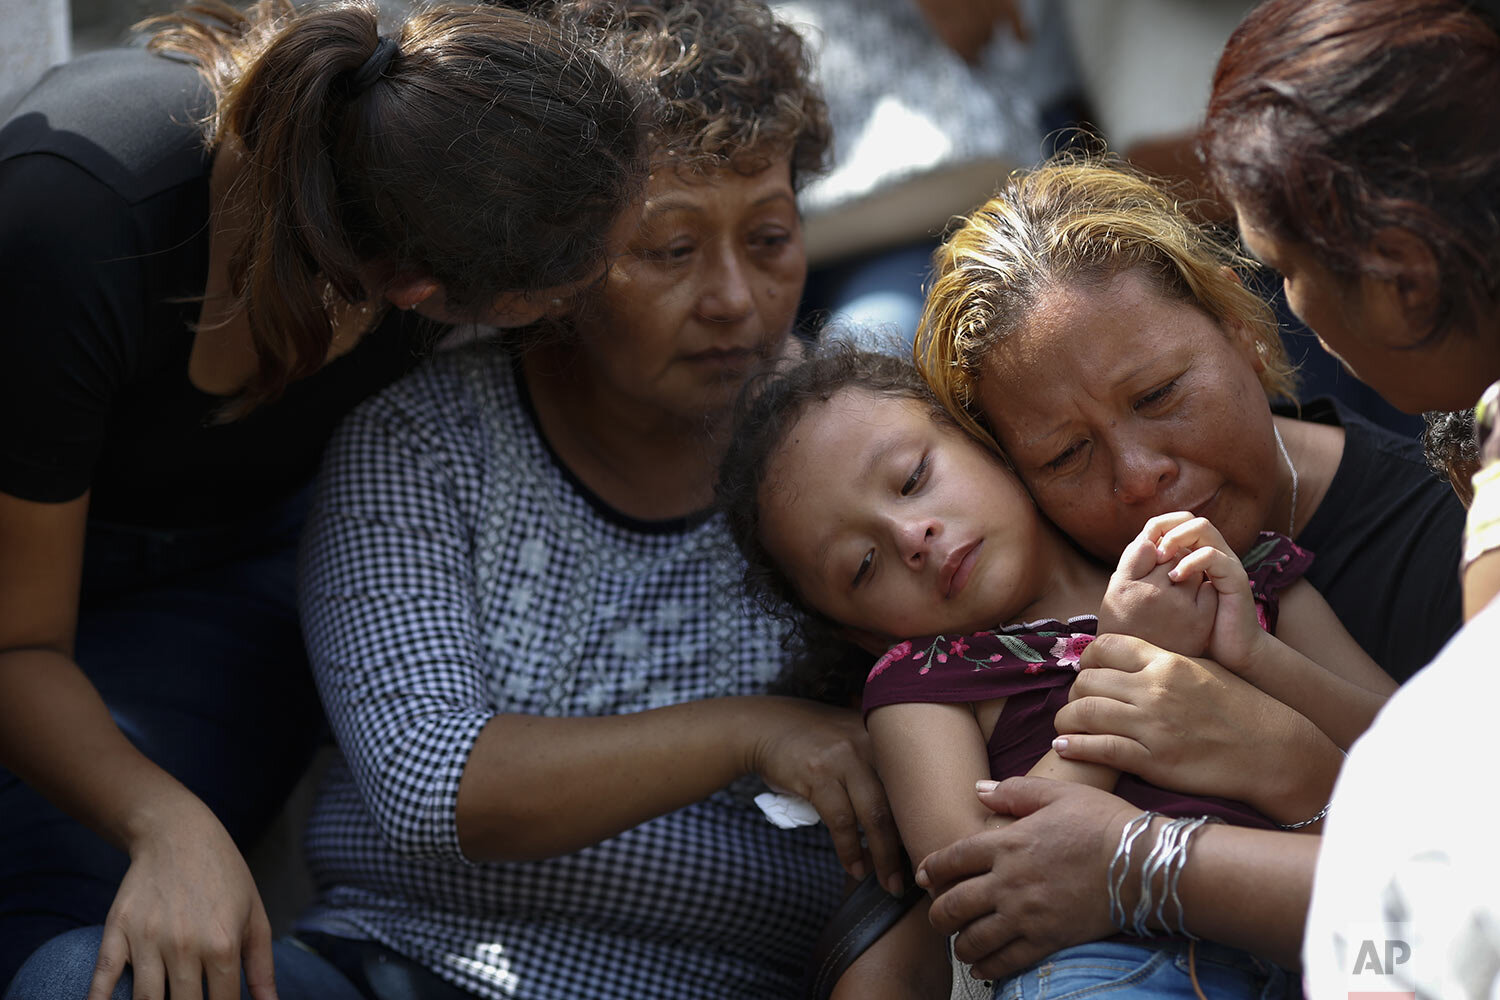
[(1359, 145)]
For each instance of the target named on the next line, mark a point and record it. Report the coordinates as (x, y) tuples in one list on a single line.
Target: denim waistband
[(1203, 951)]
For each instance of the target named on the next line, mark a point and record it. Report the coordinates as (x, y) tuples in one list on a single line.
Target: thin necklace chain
[(1291, 521)]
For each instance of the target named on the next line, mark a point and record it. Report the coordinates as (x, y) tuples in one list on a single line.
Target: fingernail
[(922, 879), (986, 785), (895, 885), (1060, 744), (857, 870)]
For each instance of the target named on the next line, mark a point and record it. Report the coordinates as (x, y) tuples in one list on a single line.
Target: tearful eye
[(1068, 454), (864, 568)]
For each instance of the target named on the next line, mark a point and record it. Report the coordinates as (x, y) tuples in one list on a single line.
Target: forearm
[(57, 734), (186, 910), (1481, 583), (1340, 708), (941, 825), (1480, 566), (1195, 727), (1241, 887), (929, 755), (538, 786), (1292, 768)]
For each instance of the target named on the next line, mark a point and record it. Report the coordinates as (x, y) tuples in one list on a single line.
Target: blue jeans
[(192, 640), (1118, 970), (339, 969)]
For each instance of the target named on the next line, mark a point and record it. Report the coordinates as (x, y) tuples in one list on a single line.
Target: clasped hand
[(1179, 586)]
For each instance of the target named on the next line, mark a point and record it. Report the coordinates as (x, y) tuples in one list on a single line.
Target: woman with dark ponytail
[(210, 251)]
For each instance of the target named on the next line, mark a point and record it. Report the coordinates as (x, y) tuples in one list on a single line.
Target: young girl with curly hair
[(870, 515)]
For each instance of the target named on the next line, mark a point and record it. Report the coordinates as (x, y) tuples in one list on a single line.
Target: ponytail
[(473, 145), (285, 112)]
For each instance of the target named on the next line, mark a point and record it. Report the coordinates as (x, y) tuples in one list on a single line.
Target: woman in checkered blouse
[(526, 624)]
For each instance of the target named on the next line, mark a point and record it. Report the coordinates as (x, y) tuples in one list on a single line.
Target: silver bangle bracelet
[(1119, 866), (1160, 854), (1317, 817), (1160, 873), (1174, 876)]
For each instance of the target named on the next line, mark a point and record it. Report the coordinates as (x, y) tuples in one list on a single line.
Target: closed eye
[(918, 475), (770, 239), (1064, 457), (1157, 396), (670, 254), (864, 568)]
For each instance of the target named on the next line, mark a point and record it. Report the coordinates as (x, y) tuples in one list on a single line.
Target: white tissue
[(787, 811)]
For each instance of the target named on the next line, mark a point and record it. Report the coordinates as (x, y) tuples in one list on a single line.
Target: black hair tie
[(372, 68)]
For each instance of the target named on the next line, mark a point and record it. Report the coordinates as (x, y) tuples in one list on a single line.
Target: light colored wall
[(1147, 65), (35, 36)]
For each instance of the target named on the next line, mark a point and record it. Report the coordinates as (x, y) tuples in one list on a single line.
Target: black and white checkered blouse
[(452, 570)]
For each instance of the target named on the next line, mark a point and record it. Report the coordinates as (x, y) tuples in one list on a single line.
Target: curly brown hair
[(724, 83)]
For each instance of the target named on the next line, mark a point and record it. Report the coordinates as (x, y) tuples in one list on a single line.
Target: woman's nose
[(727, 296), (1141, 473)]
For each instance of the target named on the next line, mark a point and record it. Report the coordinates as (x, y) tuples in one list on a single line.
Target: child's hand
[(1144, 601), (1199, 557)]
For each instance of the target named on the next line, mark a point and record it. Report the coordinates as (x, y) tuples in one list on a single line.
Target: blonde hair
[(1074, 221)]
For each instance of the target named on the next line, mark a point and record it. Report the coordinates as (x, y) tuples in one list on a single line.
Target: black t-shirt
[(104, 202), (1386, 541)]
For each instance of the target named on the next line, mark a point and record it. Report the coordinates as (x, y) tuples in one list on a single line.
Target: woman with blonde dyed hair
[(1075, 222), (1083, 324)]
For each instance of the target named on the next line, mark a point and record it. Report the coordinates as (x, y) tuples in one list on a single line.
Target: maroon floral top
[(1032, 665)]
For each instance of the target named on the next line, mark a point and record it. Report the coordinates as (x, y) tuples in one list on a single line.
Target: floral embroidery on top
[(1045, 646), (896, 652), (1273, 564), (1067, 649), (1034, 657)]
